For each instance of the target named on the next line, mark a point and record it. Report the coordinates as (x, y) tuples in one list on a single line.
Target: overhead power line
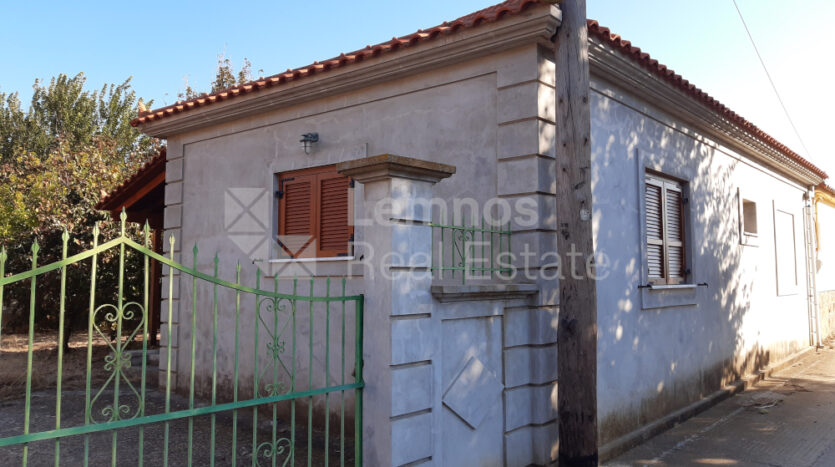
[(773, 86)]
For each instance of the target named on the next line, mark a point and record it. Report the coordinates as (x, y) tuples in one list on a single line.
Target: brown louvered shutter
[(664, 201), (334, 230), (655, 231), (313, 213), (295, 227)]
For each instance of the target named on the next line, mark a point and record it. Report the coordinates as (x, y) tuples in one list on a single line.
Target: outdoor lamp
[(307, 141)]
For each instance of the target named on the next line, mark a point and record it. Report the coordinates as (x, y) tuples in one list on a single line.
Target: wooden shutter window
[(295, 218), (655, 232), (675, 238), (334, 231), (297, 208), (666, 259), (313, 209)]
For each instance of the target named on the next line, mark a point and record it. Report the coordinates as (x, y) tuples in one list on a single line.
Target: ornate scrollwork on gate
[(274, 318), (278, 449), (112, 319)]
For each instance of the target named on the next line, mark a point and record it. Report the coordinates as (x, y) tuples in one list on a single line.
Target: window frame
[(317, 175), (666, 183), (747, 238)]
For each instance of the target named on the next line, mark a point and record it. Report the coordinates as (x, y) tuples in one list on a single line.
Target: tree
[(225, 77), (57, 158), (245, 74), (65, 110)]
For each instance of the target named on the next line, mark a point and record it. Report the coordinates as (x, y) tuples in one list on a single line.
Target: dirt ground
[(14, 353), (125, 442)]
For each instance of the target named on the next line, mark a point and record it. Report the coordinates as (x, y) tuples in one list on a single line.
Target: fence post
[(396, 243)]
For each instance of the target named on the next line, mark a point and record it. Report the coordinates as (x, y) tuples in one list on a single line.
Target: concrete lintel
[(384, 166), (476, 292)]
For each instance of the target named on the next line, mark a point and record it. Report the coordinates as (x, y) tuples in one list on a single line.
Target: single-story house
[(702, 226)]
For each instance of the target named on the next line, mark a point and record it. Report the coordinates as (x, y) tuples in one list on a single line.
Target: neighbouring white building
[(825, 265), (705, 223)]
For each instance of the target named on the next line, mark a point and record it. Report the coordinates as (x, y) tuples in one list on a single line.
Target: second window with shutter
[(666, 259)]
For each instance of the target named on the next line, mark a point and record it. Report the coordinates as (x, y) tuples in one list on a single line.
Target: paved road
[(787, 420)]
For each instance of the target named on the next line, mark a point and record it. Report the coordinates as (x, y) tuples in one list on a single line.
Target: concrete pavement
[(786, 420)]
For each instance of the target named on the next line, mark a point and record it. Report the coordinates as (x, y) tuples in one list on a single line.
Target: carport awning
[(142, 195)]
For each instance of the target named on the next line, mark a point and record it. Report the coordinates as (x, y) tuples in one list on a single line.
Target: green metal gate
[(235, 416)]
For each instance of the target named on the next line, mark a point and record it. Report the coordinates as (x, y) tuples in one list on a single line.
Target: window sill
[(671, 286), (750, 240), (668, 296), (329, 259)]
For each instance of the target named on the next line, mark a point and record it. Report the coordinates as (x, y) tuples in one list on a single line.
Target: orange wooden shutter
[(334, 231), (313, 213), (296, 220)]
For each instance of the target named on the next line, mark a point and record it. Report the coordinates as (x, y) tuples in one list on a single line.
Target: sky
[(163, 45)]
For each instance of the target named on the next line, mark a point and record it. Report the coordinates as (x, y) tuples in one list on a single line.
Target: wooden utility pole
[(577, 329)]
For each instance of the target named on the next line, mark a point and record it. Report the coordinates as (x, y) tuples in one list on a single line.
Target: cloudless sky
[(164, 44)]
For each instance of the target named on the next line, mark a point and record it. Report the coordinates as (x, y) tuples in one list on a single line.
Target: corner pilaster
[(399, 347)]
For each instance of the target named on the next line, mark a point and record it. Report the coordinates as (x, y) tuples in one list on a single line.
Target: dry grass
[(14, 355)]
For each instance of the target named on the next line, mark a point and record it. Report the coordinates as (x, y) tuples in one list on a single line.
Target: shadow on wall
[(653, 362)]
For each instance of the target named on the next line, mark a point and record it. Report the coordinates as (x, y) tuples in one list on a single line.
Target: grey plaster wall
[(661, 350), (493, 119)]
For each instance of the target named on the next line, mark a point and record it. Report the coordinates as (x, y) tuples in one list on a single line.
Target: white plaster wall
[(653, 361)]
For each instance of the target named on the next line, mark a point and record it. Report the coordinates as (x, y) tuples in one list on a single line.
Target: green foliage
[(65, 111), (58, 157), (43, 194), (245, 74), (225, 77)]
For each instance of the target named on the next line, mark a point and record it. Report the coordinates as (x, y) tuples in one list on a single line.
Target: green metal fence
[(461, 252), (250, 392)]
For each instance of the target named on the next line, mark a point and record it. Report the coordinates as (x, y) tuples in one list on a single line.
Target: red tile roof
[(143, 175), (487, 15), (826, 189), (689, 88)]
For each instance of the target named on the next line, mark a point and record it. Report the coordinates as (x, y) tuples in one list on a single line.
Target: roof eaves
[(143, 175), (677, 81), (487, 15)]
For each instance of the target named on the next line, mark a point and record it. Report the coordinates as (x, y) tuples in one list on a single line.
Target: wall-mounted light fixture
[(307, 141)]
